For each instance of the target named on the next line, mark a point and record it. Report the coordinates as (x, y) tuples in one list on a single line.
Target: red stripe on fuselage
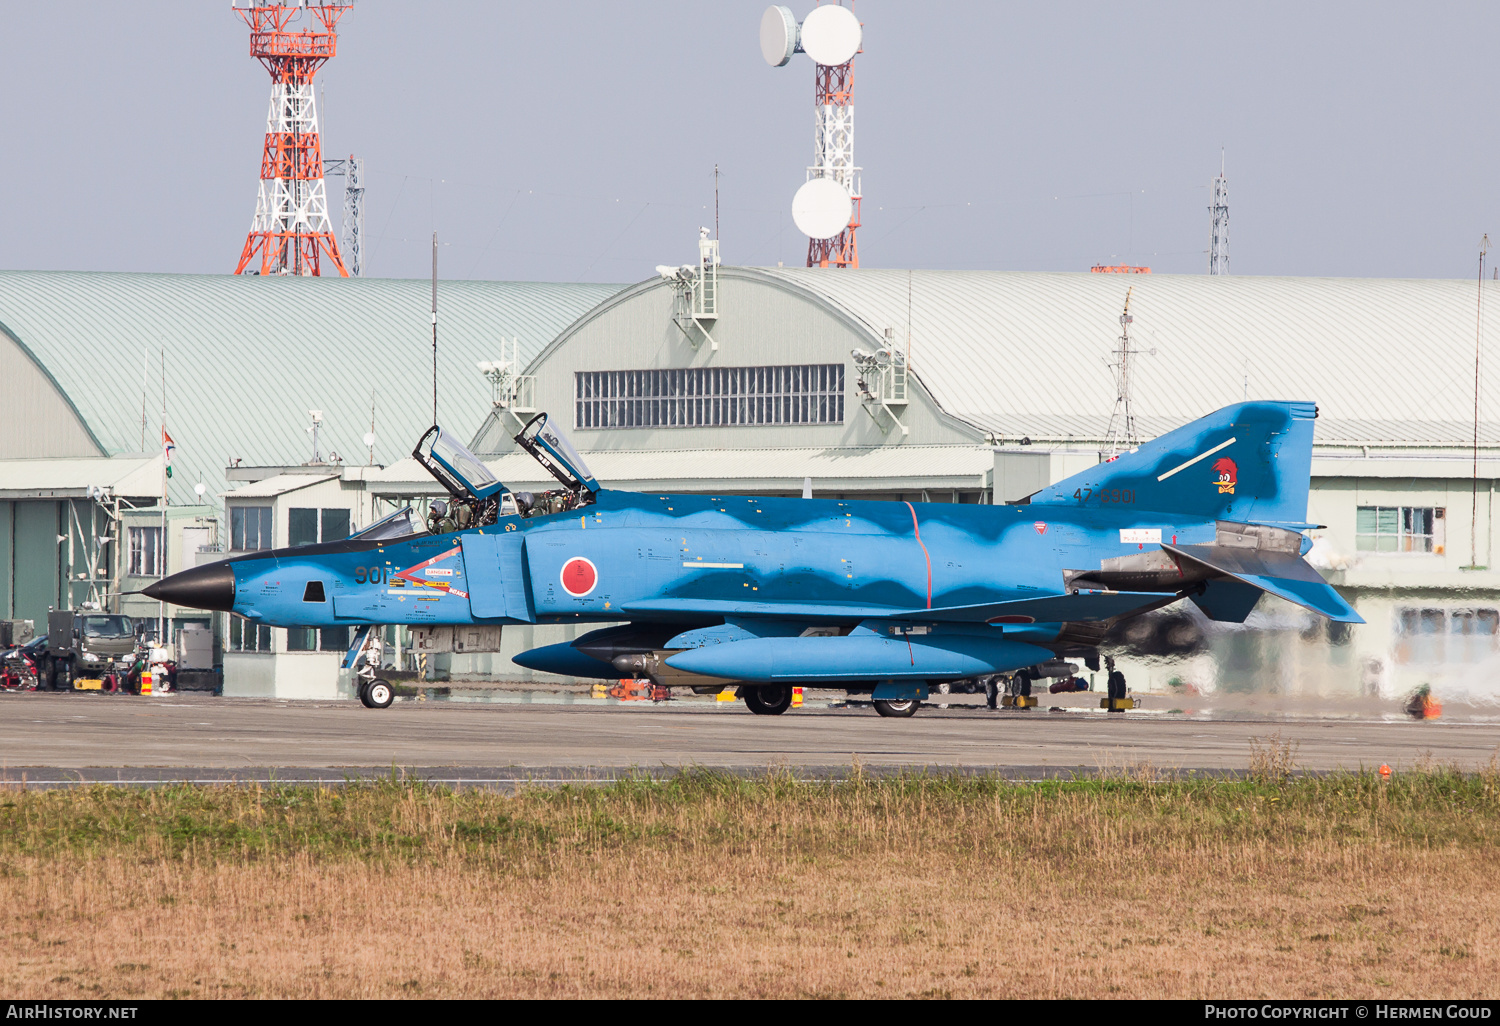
[(918, 532)]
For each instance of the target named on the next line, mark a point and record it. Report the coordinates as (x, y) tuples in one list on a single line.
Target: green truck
[(85, 645)]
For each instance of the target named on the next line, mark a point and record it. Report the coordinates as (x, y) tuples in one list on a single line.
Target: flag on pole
[(167, 446)]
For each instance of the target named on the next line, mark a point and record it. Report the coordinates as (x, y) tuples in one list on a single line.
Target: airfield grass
[(712, 885)]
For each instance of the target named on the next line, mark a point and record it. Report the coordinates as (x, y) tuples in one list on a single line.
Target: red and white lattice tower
[(292, 233), (827, 207), (833, 155)]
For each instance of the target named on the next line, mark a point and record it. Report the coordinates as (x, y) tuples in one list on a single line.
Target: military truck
[(84, 644)]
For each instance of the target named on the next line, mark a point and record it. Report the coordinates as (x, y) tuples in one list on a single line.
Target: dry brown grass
[(711, 886)]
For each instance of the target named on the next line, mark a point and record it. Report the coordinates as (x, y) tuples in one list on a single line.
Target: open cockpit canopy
[(457, 469), (551, 448)]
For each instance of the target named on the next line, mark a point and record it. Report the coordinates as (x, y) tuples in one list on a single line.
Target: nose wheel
[(905, 707), (377, 693)]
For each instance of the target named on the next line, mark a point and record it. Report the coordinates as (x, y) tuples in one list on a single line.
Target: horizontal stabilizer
[(1282, 574), (1086, 605)]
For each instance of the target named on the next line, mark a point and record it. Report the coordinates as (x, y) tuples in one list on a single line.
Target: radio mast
[(292, 233)]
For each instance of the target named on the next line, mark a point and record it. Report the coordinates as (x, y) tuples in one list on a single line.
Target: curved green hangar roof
[(245, 358)]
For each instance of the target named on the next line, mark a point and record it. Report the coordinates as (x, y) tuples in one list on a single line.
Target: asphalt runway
[(199, 737)]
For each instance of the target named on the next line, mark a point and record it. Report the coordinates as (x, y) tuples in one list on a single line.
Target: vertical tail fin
[(1247, 462)]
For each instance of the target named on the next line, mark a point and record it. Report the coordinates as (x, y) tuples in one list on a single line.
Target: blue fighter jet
[(884, 599)]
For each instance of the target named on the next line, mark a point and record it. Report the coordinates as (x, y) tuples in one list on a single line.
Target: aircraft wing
[(776, 610), (1283, 574), (1086, 605)]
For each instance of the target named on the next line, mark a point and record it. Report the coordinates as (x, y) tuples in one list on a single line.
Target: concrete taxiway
[(203, 737)]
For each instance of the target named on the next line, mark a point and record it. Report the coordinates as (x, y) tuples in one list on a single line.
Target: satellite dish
[(830, 34), (778, 35), (822, 207)]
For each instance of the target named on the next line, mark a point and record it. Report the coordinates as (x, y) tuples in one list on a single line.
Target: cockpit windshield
[(457, 469), (553, 450), (397, 525)]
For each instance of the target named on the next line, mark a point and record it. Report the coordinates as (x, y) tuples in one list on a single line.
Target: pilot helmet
[(440, 507)]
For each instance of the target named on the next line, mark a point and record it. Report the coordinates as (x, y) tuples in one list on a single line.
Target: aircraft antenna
[(291, 232), (1218, 232), (434, 327)]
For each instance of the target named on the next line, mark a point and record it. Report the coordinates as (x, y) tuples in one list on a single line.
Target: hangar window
[(1436, 635), (249, 528), (145, 551), (710, 396), (1400, 529)]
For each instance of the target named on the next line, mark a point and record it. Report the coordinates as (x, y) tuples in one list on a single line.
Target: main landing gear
[(903, 707), (771, 699)]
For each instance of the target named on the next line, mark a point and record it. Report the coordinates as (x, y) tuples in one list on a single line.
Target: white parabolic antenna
[(778, 35), (830, 34), (822, 207)]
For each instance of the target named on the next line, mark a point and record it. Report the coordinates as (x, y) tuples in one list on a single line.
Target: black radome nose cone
[(202, 587)]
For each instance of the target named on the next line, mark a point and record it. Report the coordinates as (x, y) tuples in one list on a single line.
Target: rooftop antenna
[(291, 232), (434, 327), (312, 429), (1218, 231), (1122, 430), (827, 207), (370, 435), (716, 201), (1484, 247)]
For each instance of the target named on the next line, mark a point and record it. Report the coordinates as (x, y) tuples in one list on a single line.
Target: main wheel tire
[(1023, 684), (903, 707), (768, 699), (377, 694), (1116, 684), (991, 692)]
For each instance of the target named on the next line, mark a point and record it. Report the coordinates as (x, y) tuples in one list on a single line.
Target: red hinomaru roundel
[(1228, 475), (579, 576)]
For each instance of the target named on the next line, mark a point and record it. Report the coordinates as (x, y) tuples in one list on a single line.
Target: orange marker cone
[(1385, 772)]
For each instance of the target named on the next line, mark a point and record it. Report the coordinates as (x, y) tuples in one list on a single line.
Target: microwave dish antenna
[(831, 35), (778, 35), (822, 208)]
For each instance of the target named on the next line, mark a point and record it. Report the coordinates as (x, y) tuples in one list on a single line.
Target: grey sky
[(577, 141)]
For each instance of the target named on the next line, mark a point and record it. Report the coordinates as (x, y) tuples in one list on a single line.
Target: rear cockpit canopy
[(551, 448)]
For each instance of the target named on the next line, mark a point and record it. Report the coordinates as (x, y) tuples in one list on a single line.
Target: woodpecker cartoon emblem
[(1228, 475)]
